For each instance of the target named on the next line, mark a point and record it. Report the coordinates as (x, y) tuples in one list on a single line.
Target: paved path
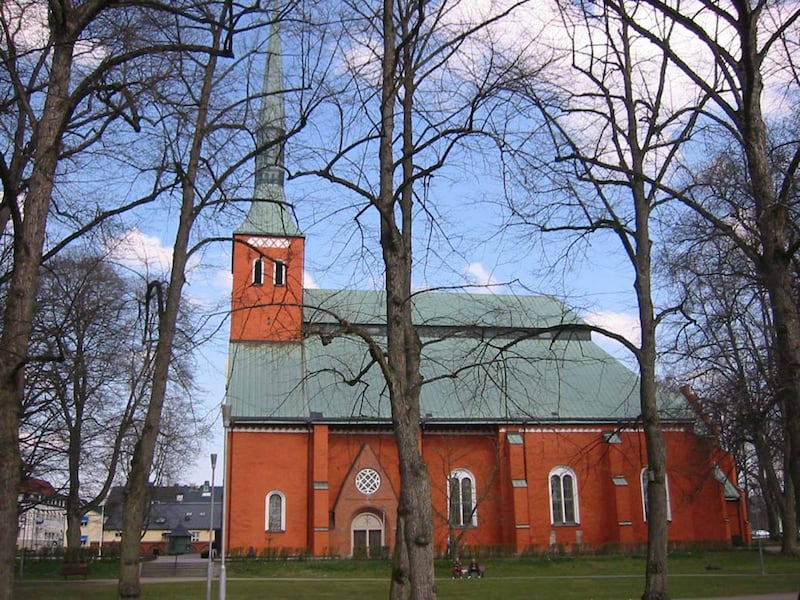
[(783, 596)]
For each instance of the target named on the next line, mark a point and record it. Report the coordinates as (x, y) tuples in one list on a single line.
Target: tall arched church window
[(258, 271), (644, 479), (280, 272), (461, 501), (564, 509), (275, 511)]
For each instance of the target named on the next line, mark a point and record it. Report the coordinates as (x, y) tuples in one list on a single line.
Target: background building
[(170, 506), (42, 520)]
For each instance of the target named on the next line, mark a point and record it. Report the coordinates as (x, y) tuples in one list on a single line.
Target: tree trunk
[(641, 257), (656, 567), (400, 589), (403, 344), (135, 494), (789, 539), (772, 219), (21, 297), (136, 490)]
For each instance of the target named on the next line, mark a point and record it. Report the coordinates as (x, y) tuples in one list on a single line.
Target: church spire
[(269, 213)]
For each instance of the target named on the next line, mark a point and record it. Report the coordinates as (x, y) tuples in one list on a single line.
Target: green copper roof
[(440, 309), (269, 212), (477, 364)]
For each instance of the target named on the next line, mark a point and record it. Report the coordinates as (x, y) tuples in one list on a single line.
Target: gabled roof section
[(731, 490), (484, 359), (441, 309)]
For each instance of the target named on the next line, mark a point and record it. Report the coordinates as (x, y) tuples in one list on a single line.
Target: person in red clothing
[(457, 572)]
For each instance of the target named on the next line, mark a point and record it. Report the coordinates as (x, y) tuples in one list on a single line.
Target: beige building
[(42, 521), (189, 506)]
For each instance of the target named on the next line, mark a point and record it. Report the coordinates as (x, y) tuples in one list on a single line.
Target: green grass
[(692, 575)]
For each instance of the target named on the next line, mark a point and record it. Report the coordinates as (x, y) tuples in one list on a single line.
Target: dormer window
[(258, 271), (280, 273)]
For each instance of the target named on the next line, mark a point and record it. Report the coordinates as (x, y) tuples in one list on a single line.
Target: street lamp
[(211, 530), (102, 528), (226, 424)]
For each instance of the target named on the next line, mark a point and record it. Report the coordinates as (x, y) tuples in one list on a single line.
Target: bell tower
[(267, 298)]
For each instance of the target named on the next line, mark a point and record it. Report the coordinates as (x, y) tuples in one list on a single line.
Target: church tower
[(267, 298)]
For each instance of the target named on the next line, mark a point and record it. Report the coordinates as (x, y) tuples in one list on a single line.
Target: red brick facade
[(314, 468)]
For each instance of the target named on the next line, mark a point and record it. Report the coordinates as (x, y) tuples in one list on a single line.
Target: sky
[(472, 248), (477, 250)]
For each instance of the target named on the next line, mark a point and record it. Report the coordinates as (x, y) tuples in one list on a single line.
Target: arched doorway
[(367, 535)]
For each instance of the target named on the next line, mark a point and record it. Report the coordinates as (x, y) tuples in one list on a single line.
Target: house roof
[(188, 506), (485, 358), (34, 485)]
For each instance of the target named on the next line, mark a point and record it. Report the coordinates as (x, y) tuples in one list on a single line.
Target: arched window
[(645, 477), (280, 272), (564, 497), (258, 271), (461, 502), (275, 511)]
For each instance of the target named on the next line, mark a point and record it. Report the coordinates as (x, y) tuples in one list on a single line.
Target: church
[(532, 439)]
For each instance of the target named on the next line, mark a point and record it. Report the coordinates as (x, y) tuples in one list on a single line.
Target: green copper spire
[(269, 213)]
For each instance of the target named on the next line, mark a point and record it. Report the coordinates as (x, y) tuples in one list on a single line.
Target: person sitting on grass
[(457, 573), (474, 569)]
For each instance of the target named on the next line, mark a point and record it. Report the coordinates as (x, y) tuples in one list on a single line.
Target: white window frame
[(463, 475), (560, 472), (283, 510), (643, 484)]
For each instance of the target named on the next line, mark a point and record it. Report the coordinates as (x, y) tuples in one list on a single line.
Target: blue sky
[(469, 246)]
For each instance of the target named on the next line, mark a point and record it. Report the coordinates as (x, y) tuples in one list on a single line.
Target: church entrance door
[(367, 536)]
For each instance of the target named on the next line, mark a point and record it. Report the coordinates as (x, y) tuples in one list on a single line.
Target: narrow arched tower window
[(258, 271), (280, 272)]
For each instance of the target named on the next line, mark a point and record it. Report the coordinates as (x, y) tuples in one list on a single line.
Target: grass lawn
[(567, 578)]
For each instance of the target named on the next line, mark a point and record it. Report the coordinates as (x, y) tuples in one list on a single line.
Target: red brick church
[(532, 441)]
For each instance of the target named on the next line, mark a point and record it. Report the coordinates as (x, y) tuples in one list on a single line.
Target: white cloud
[(624, 324), (30, 31), (483, 281), (141, 252), (223, 279), (308, 281)]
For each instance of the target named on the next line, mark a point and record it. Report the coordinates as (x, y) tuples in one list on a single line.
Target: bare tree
[(200, 142), (744, 48), (62, 74), (81, 306), (727, 349), (605, 107), (82, 409), (403, 109)]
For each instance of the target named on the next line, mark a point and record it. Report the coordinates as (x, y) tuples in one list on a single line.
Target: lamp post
[(102, 528), (211, 530), (226, 424)]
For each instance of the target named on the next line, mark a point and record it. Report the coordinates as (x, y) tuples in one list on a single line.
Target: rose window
[(368, 481)]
